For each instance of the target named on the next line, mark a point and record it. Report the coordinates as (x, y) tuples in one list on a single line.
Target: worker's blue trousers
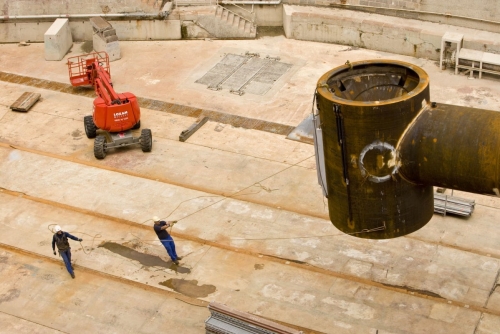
[(66, 255), (169, 245)]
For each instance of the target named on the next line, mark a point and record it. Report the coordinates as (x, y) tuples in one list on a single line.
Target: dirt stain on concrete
[(10, 295), (87, 46), (189, 288), (144, 259), (76, 133), (270, 32)]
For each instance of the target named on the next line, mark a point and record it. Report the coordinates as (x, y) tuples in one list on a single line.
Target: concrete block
[(193, 31), (57, 40), (99, 24), (287, 20), (112, 48), (112, 38), (167, 8), (109, 32)]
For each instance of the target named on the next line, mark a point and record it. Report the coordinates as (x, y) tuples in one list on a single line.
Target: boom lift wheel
[(137, 125), (146, 140), (90, 128), (100, 147)]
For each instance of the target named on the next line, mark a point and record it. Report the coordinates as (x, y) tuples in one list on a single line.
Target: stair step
[(241, 27), (218, 11), (241, 24), (236, 21)]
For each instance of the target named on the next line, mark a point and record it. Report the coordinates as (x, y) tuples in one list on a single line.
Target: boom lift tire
[(136, 126), (90, 128), (100, 147), (146, 140)]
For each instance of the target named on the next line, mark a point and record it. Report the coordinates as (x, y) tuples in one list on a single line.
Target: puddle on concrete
[(258, 266), (87, 46), (144, 259), (189, 288), (10, 295)]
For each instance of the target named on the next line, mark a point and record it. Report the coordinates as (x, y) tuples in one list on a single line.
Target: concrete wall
[(41, 7), (82, 30), (479, 9), (395, 35), (406, 4), (265, 15)]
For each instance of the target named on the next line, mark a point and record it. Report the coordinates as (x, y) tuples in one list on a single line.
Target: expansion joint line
[(268, 257), (33, 322), (493, 288)]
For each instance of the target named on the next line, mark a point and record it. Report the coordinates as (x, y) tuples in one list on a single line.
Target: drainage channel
[(176, 109)]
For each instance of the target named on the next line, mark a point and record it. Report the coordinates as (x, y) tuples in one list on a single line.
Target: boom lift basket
[(79, 67)]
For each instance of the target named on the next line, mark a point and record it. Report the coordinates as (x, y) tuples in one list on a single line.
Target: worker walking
[(160, 228), (60, 239)]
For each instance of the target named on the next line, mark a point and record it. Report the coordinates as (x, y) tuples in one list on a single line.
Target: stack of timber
[(445, 204)]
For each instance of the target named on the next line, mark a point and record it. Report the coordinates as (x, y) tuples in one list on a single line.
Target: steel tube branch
[(453, 147)]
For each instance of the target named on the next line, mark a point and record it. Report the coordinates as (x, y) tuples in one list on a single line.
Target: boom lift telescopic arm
[(113, 112), (103, 85)]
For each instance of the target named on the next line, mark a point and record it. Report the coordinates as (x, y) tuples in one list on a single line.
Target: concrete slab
[(252, 219), (35, 291)]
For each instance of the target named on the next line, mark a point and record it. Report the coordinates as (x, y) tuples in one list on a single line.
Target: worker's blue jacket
[(61, 240)]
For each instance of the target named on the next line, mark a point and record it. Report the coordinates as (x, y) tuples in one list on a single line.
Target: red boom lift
[(114, 113)]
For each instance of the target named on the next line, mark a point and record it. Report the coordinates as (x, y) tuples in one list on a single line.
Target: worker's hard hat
[(156, 219), (57, 228)]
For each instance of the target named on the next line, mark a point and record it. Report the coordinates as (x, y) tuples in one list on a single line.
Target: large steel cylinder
[(364, 109), (383, 146)]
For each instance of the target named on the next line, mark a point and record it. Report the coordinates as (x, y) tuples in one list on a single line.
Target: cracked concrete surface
[(252, 219)]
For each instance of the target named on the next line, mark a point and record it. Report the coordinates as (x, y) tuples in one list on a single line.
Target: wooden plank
[(192, 129), (25, 101)]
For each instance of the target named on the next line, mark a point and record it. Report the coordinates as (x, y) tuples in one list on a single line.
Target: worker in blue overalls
[(166, 240), (60, 239)]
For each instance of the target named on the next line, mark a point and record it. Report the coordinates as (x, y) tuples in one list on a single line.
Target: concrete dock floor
[(253, 225)]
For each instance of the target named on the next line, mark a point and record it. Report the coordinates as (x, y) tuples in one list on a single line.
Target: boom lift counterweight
[(113, 113)]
